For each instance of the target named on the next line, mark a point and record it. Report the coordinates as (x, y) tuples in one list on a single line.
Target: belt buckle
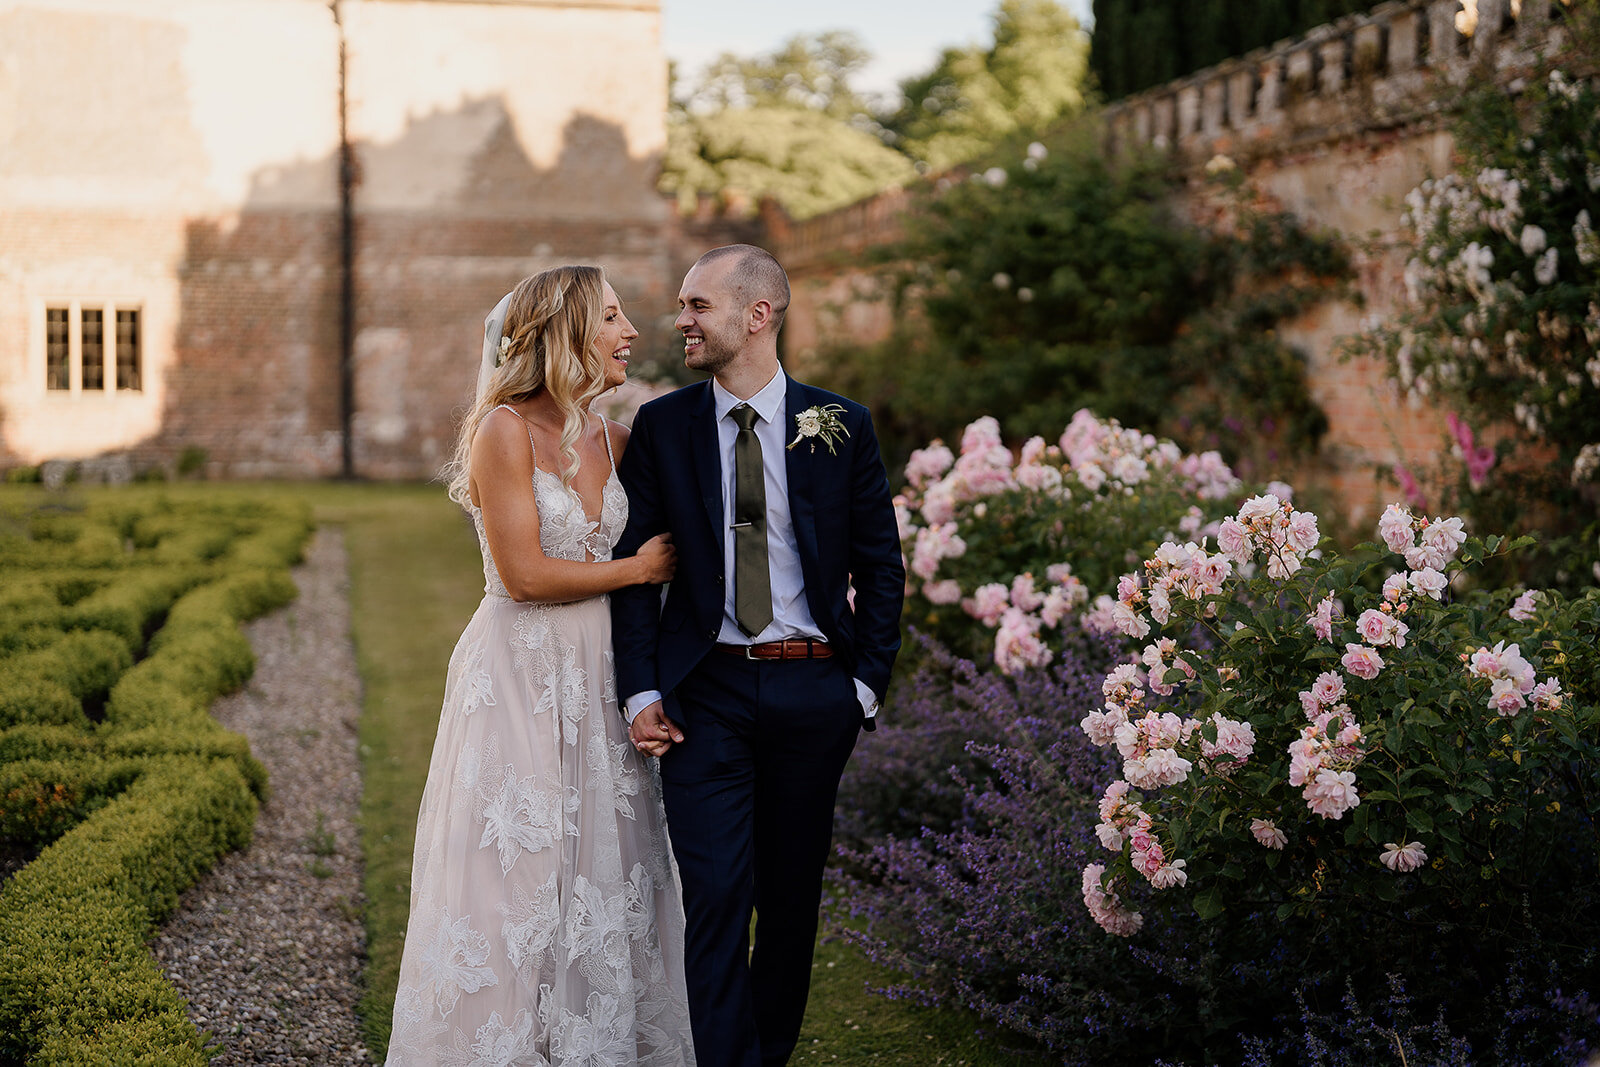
[(749, 653)]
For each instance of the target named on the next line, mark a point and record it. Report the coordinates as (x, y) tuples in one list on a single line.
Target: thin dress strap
[(605, 430), (534, 451)]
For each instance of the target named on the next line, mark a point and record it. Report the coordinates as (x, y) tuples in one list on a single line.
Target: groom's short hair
[(755, 274)]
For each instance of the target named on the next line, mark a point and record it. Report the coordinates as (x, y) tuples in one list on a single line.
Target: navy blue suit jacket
[(843, 521)]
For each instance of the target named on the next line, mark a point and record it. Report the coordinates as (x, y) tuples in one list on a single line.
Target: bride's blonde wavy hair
[(552, 323)]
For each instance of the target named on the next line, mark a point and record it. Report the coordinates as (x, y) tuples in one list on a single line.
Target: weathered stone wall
[(182, 157), (1337, 127)]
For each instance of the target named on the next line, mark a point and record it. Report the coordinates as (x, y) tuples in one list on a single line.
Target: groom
[(771, 650)]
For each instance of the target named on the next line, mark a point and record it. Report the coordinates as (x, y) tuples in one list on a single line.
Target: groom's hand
[(652, 732)]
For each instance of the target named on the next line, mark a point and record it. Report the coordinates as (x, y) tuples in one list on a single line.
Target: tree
[(1142, 43), (976, 98), (811, 72), (786, 125)]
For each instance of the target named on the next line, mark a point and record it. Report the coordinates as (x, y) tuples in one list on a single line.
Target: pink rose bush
[(1028, 546), (1335, 722), (1500, 324)]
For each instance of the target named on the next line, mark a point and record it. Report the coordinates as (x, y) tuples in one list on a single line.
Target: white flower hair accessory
[(820, 421), (505, 347)]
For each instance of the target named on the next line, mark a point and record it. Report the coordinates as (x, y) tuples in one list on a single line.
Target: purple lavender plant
[(967, 818)]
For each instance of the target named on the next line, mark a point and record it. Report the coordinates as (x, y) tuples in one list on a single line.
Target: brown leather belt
[(793, 648)]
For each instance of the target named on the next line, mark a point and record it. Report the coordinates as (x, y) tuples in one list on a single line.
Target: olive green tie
[(752, 583)]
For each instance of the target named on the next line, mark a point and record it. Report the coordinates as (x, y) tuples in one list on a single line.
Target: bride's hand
[(659, 558)]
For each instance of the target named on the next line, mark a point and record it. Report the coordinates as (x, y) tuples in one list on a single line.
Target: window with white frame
[(93, 348)]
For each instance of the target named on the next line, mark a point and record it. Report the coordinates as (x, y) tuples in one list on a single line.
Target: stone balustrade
[(1362, 72)]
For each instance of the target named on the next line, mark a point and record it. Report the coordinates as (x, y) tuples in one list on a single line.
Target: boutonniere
[(820, 421), (505, 346)]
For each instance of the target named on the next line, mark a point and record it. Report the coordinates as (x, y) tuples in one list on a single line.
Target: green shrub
[(134, 604), (42, 799), (139, 808), (76, 980), (36, 700), (275, 543), (1364, 760), (37, 742), (79, 664), (1066, 280)]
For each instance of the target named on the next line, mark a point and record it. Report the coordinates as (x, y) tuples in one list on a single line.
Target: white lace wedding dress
[(546, 921)]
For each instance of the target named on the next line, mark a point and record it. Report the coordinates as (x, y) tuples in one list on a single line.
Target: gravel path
[(268, 947)]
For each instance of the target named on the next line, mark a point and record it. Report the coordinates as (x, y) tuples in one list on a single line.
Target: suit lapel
[(706, 458), (799, 463)]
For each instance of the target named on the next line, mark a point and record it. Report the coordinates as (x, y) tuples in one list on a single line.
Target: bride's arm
[(502, 477)]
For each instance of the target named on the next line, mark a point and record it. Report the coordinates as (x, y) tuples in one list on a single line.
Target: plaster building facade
[(267, 231)]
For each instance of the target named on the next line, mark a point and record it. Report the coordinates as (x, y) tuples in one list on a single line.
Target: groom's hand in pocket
[(652, 732)]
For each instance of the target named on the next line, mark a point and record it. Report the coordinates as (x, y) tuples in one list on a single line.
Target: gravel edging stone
[(268, 947)]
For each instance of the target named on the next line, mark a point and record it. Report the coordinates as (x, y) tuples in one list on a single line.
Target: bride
[(546, 925)]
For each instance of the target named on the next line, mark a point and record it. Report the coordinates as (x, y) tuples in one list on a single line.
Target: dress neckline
[(572, 491)]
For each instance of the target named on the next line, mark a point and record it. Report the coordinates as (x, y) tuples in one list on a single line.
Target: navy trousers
[(750, 795)]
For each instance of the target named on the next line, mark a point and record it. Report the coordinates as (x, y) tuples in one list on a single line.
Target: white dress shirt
[(791, 614)]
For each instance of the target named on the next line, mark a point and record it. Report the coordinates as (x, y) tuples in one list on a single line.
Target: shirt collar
[(768, 401)]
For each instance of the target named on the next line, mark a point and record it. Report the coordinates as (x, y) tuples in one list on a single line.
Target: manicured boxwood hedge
[(119, 625)]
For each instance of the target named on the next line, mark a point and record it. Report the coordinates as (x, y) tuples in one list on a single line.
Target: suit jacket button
[(711, 634)]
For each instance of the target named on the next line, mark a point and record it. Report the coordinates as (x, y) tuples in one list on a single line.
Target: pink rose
[(1395, 527), (929, 463), (1505, 698), (981, 435), (1361, 661), (1234, 540), (945, 592), (1429, 582), (1090, 476), (1023, 595), (1546, 696), (939, 504), (1127, 622), (1260, 509), (1332, 793), (1169, 875), (1106, 907), (1523, 608), (1267, 833), (1303, 533), (988, 603), (1403, 858), (1444, 536), (1321, 620), (1281, 564), (1038, 478), (1017, 646), (1101, 726), (1328, 689), (1098, 619), (1485, 663)]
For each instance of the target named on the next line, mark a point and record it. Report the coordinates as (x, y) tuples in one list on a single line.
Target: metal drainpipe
[(347, 258)]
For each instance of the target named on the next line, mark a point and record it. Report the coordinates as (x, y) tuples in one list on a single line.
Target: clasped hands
[(652, 732)]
